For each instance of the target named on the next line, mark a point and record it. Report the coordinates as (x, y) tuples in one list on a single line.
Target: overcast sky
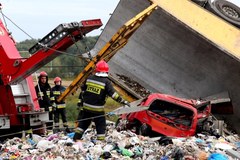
[(38, 18)]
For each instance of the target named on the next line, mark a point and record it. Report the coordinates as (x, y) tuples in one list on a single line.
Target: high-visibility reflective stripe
[(79, 100), (101, 74), (78, 130), (30, 131), (101, 136), (50, 109), (48, 93), (40, 94), (56, 124), (93, 109), (95, 85), (61, 105), (96, 82), (92, 89), (92, 106), (52, 98), (56, 92), (115, 95)]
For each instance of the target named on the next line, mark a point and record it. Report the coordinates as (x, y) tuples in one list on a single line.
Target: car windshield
[(175, 113)]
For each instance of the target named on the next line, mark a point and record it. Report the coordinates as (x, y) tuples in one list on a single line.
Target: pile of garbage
[(123, 145), (135, 86)]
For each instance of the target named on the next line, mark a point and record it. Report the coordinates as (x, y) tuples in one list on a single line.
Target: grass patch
[(72, 108)]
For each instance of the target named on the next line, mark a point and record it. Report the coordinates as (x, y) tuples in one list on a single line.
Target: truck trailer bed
[(167, 56)]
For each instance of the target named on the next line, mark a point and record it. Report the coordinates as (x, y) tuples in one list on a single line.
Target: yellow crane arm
[(117, 41)]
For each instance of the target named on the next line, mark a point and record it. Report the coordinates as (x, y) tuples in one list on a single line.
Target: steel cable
[(50, 126), (4, 16), (63, 52)]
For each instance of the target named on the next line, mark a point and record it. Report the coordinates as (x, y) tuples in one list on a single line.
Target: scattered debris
[(119, 145), (135, 86)]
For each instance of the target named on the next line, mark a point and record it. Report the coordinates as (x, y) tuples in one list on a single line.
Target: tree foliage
[(66, 66)]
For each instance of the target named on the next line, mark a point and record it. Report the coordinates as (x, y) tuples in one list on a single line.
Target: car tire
[(226, 10), (144, 130), (120, 125)]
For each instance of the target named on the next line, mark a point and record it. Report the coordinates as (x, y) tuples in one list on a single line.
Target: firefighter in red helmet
[(93, 97), (58, 89), (45, 94)]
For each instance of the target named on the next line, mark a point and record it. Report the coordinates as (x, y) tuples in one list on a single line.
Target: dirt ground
[(65, 83)]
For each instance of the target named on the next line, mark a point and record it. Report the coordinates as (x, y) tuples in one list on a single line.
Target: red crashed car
[(166, 115)]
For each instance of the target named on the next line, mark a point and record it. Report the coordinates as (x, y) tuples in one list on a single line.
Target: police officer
[(45, 95), (58, 89), (94, 92)]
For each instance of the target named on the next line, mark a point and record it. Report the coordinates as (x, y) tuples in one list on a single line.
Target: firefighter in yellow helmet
[(94, 93), (60, 109)]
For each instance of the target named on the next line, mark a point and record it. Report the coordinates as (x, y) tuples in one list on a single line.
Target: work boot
[(106, 155), (56, 130), (77, 137), (67, 130), (49, 132)]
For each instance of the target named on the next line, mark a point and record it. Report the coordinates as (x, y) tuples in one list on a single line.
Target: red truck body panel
[(18, 100)]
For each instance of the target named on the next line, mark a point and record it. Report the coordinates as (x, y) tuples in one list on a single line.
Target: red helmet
[(57, 79), (102, 66), (43, 74)]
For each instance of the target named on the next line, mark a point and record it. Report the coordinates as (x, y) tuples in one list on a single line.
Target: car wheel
[(120, 124), (226, 10), (144, 130)]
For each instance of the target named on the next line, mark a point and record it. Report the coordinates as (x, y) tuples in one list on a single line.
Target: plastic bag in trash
[(217, 156)]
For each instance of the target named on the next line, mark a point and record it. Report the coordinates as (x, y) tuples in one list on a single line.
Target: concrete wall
[(165, 56)]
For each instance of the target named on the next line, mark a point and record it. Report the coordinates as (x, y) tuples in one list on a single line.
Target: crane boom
[(117, 41), (19, 107)]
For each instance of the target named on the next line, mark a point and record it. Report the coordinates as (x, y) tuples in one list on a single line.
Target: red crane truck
[(19, 108)]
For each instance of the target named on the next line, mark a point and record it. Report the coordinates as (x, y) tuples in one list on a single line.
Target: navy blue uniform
[(60, 109), (94, 93), (45, 97)]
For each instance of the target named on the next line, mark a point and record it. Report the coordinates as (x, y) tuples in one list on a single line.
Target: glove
[(80, 102), (54, 107), (126, 103), (50, 108), (111, 114), (80, 105)]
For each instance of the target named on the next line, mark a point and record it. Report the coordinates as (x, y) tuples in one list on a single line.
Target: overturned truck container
[(182, 49)]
